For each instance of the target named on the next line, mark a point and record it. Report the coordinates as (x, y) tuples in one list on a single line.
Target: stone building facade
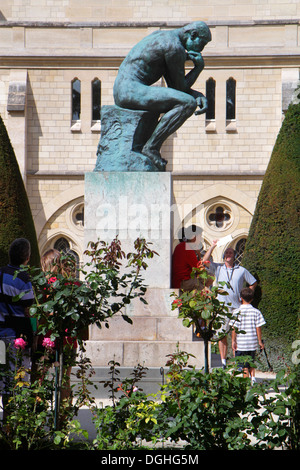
[(58, 62)]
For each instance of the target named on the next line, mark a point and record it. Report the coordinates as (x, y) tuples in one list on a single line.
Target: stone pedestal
[(132, 205)]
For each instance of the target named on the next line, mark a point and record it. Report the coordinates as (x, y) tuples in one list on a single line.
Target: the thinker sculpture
[(161, 54)]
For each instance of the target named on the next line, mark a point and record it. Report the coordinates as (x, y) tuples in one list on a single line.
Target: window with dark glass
[(63, 246), (96, 99), (239, 250), (211, 98), (230, 99), (76, 99)]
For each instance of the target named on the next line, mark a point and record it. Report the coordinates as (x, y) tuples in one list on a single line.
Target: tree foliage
[(15, 213), (272, 250)]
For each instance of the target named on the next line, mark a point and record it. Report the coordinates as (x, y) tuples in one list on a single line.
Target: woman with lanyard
[(235, 276)]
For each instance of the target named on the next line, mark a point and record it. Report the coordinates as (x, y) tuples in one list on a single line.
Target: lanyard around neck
[(229, 278)]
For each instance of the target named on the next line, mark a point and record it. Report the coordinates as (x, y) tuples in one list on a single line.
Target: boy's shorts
[(245, 353)]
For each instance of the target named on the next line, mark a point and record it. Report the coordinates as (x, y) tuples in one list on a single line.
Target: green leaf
[(57, 439), (205, 314), (280, 410)]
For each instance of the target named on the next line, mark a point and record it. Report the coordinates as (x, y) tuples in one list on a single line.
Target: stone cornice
[(175, 174), (217, 60), (143, 24), (26, 45)]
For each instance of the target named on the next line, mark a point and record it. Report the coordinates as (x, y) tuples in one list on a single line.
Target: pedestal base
[(131, 205), (155, 333)]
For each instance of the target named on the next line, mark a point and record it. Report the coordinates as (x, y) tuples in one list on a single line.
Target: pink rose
[(20, 343), (48, 344)]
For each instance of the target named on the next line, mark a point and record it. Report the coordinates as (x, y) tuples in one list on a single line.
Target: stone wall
[(47, 44), (141, 10)]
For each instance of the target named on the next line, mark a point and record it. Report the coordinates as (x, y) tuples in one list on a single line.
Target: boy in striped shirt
[(250, 320)]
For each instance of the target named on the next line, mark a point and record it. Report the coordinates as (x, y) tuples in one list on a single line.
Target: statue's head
[(195, 36)]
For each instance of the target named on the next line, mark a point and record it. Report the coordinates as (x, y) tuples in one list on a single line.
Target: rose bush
[(65, 307), (202, 309)]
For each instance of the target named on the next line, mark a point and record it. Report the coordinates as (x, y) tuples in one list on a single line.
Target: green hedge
[(15, 213), (272, 250)]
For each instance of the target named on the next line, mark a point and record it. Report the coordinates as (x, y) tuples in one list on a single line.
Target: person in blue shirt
[(235, 276), (14, 320), (11, 286)]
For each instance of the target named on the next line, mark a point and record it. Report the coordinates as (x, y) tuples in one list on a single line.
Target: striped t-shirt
[(249, 318)]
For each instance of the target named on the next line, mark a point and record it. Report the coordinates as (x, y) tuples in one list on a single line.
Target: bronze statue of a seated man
[(163, 54)]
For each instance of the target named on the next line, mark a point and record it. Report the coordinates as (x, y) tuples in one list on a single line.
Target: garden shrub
[(272, 251), (199, 411), (15, 213)]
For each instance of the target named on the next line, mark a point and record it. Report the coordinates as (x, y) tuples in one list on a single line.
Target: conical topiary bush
[(15, 213), (272, 250)]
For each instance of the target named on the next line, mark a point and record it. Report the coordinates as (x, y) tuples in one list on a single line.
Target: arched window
[(76, 99), (96, 99), (63, 246), (211, 98), (239, 250), (230, 99)]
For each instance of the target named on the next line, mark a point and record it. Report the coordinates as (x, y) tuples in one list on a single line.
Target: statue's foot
[(156, 158)]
